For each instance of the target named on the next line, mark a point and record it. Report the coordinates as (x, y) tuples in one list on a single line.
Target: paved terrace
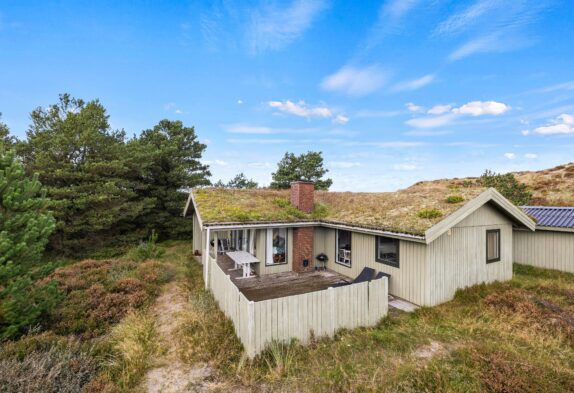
[(278, 285)]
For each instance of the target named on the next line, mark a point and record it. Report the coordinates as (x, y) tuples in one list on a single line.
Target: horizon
[(392, 92)]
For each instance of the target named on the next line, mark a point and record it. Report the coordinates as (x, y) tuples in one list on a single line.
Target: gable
[(487, 214)]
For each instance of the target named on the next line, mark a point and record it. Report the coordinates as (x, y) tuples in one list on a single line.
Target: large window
[(276, 246), (344, 247), (387, 251), (492, 245)]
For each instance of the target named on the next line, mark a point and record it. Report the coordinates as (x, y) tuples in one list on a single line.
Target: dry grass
[(390, 211), (502, 337), (549, 187)]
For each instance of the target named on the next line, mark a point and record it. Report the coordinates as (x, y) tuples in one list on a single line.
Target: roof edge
[(191, 200), (490, 195)]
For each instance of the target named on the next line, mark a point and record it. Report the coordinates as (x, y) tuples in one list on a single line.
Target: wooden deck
[(272, 286)]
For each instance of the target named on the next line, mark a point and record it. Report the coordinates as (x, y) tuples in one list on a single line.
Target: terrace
[(272, 286)]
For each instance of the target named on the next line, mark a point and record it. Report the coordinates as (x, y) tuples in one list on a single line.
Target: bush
[(454, 199), (429, 213), (45, 363), (147, 250), (508, 186)]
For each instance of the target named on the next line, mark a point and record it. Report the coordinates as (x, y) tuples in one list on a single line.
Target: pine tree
[(86, 169), (24, 230), (169, 162), (308, 167)]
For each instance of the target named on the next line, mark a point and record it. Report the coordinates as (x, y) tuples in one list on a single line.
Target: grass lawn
[(516, 336)]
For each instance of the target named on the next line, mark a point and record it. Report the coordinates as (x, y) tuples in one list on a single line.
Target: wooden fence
[(323, 312)]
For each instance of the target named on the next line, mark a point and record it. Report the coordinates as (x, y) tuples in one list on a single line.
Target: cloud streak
[(414, 84), (355, 81), (273, 27), (442, 115)]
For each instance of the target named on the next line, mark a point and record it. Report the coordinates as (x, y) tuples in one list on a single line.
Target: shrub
[(515, 191), (454, 199), (282, 202), (45, 364), (147, 250), (429, 213)]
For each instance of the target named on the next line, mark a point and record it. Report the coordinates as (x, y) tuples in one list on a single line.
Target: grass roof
[(411, 211)]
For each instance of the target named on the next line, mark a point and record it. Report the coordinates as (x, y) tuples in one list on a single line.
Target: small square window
[(387, 251), (492, 245)]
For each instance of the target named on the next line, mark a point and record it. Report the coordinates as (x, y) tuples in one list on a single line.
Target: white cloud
[(479, 108), (510, 156), (343, 164), (341, 119), (414, 84), (560, 86), (247, 129), (260, 165), (273, 27), (442, 115), (531, 156), (356, 81), (525, 132), (462, 20), (431, 121), (239, 102), (439, 109), (405, 167), (563, 124), (217, 162), (178, 111), (414, 107), (172, 107), (397, 8), (300, 109)]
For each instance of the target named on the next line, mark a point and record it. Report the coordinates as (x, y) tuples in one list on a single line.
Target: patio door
[(243, 239)]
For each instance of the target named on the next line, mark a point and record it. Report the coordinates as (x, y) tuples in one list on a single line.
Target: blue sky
[(391, 92)]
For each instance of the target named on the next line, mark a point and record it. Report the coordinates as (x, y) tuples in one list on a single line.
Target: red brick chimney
[(302, 195), (303, 198)]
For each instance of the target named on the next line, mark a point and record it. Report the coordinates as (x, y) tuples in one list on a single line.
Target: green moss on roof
[(389, 211)]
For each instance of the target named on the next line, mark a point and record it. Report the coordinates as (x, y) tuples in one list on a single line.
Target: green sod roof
[(410, 211)]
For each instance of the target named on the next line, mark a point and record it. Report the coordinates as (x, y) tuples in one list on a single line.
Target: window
[(276, 246), (492, 245), (344, 247), (387, 251)]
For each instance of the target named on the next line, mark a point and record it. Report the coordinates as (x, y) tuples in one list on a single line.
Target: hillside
[(549, 187)]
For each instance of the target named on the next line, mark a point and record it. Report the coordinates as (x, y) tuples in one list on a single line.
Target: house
[(551, 246), (431, 240)]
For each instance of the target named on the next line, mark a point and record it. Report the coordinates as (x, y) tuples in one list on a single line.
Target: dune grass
[(515, 336)]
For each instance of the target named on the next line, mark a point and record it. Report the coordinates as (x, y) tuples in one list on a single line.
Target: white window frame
[(269, 247), (337, 249)]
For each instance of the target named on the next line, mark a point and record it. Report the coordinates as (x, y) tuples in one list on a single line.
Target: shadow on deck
[(272, 286)]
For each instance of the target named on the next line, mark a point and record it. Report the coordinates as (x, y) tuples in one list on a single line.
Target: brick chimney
[(302, 197)]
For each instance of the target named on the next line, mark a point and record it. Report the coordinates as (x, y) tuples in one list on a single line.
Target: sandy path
[(170, 375)]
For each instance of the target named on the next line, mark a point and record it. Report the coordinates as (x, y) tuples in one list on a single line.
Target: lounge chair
[(367, 274)]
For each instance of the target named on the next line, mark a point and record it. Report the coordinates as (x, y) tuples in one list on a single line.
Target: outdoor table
[(243, 259)]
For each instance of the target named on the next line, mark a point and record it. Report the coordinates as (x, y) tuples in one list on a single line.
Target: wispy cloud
[(343, 164), (242, 128), (268, 141), (531, 156), (414, 108), (510, 156), (172, 107), (496, 25), (273, 27), (300, 109), (391, 14), (559, 86), (442, 115), (356, 81), (563, 124), (414, 84), (405, 167), (341, 119)]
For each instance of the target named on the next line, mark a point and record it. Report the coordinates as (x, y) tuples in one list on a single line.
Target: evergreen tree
[(169, 155), (5, 137), (86, 170), (307, 166), (513, 190), (239, 181), (24, 230)]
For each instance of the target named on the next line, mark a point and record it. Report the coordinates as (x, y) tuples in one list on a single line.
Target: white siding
[(546, 249), (198, 235), (457, 259), (409, 281)]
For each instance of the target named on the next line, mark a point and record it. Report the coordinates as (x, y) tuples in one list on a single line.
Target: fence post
[(331, 292), (251, 350)]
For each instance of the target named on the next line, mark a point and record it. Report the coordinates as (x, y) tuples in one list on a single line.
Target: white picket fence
[(323, 312)]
